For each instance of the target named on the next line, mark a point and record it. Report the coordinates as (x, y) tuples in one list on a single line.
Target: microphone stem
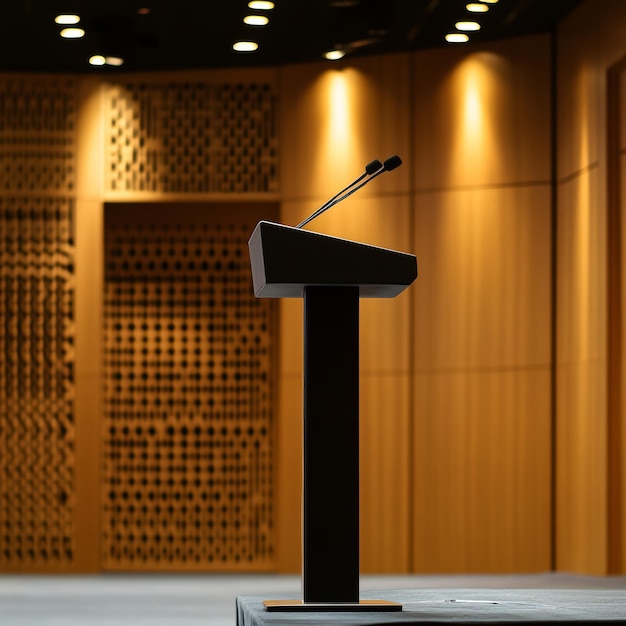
[(328, 204), (336, 200)]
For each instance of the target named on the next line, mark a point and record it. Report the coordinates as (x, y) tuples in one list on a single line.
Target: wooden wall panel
[(581, 289), (482, 359), (385, 472), (481, 459), (188, 438), (89, 301), (581, 375), (482, 115), (337, 118), (484, 300), (581, 513), (616, 190), (38, 433), (196, 133), (482, 423), (289, 470), (590, 41)]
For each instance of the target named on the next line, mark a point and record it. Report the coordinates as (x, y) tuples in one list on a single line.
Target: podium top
[(285, 260)]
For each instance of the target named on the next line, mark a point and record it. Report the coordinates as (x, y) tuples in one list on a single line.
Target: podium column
[(331, 445)]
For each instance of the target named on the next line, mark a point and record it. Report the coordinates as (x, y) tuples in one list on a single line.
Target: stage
[(453, 606), (213, 600)]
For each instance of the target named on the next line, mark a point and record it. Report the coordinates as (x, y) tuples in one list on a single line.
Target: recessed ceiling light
[(72, 33), (255, 20), (457, 38), (334, 55), (477, 7), (261, 5), (467, 26), (490, 1), (99, 59), (67, 18), (245, 46)]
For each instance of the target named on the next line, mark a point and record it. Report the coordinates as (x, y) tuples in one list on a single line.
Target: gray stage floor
[(208, 600)]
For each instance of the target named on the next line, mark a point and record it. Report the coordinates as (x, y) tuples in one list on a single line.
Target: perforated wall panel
[(188, 420), (37, 141), (37, 283), (192, 137)]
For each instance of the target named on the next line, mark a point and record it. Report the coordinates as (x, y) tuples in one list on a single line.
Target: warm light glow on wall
[(472, 110), (338, 108), (475, 153), (582, 243), (583, 82)]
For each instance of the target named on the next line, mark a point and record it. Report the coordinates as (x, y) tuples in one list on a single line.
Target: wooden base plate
[(300, 606)]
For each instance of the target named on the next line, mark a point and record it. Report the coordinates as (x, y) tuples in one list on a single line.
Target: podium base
[(361, 606)]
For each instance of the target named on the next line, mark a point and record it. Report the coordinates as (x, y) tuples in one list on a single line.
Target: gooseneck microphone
[(372, 170)]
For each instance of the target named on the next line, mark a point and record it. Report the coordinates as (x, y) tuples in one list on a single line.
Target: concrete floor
[(206, 599)]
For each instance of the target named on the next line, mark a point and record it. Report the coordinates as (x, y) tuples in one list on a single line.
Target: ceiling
[(188, 34)]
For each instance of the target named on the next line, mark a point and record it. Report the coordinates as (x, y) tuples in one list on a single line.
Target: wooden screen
[(188, 435), (192, 137), (37, 283)]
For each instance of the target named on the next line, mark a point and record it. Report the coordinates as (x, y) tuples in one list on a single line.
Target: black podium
[(331, 274)]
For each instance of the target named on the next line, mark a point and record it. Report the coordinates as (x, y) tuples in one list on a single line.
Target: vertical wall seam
[(553, 294), (614, 548)]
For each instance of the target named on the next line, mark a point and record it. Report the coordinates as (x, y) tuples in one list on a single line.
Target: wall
[(482, 433), (591, 40), (465, 466), (87, 482)]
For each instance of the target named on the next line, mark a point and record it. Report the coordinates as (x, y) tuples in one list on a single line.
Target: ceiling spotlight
[(72, 33), (67, 19), (260, 5), (99, 59), (477, 7), (467, 26), (457, 38), (245, 46), (489, 1), (255, 20), (334, 55)]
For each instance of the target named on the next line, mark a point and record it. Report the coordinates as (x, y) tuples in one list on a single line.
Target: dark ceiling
[(187, 34)]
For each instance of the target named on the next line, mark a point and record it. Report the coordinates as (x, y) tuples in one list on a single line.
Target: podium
[(331, 275)]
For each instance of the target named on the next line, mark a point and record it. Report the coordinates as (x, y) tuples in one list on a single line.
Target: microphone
[(373, 169)]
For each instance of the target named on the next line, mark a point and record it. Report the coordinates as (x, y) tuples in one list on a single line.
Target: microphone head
[(372, 167), (392, 162)]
